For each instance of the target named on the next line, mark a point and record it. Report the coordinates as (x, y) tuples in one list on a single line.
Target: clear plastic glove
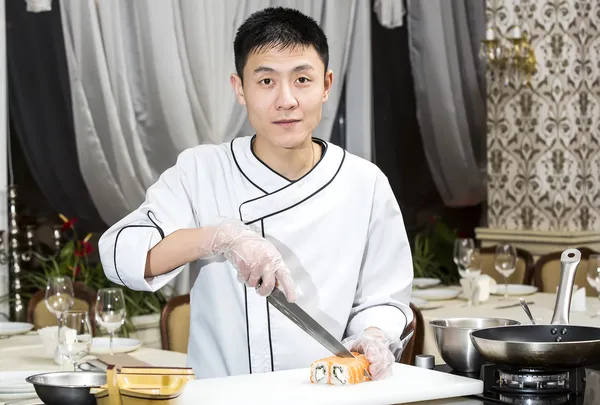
[(256, 260), (375, 345)]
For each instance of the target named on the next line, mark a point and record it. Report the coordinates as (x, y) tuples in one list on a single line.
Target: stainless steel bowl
[(61, 388), (453, 340)]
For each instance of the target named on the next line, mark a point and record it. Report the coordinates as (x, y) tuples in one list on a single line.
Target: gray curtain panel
[(450, 92)]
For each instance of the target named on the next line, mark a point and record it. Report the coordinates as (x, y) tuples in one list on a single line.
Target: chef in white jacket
[(279, 207)]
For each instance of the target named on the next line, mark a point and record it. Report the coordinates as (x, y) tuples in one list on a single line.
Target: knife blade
[(297, 315)]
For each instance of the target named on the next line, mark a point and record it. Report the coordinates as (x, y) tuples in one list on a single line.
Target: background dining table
[(26, 353)]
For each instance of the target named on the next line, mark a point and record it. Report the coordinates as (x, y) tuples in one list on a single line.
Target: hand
[(256, 260), (375, 345)]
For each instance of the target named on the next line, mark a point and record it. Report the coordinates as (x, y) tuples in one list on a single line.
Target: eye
[(303, 80), (266, 81)]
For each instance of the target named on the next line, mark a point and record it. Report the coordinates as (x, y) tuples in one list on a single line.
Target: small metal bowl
[(453, 340), (61, 388)]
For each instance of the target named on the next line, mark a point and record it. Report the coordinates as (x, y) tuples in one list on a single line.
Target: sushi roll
[(319, 372), (339, 371)]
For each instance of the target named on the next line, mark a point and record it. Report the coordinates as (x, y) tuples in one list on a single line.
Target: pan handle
[(569, 260)]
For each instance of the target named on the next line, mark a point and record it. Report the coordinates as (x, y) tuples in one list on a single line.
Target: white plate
[(436, 294), (17, 396), (514, 289), (14, 328), (120, 345), (418, 302), (13, 382), (423, 282)]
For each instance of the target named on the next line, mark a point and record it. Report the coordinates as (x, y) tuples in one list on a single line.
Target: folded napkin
[(578, 300), (480, 287)]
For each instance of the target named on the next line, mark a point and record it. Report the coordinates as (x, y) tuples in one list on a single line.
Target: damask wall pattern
[(543, 140)]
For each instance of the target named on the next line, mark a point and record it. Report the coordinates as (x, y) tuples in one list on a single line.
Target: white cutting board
[(407, 384)]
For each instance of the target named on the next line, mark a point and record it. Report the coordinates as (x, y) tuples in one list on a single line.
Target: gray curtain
[(444, 37)]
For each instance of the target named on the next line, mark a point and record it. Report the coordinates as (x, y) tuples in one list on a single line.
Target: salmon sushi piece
[(339, 370), (319, 372)]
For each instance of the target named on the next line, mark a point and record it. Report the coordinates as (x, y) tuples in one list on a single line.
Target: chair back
[(547, 272), (40, 316), (522, 275), (175, 324)]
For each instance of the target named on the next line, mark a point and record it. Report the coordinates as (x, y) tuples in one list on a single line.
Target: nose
[(285, 98)]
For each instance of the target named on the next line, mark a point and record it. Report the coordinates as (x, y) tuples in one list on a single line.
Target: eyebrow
[(299, 68)]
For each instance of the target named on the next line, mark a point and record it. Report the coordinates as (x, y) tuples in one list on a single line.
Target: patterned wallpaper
[(543, 141)]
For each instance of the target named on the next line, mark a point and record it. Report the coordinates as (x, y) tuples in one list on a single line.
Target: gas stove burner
[(560, 399), (530, 381)]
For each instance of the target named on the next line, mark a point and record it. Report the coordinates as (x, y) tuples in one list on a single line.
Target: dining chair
[(547, 271), (175, 324), (523, 273), (40, 317)]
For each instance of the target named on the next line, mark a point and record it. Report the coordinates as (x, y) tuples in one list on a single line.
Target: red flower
[(84, 248), (68, 223), (433, 219)]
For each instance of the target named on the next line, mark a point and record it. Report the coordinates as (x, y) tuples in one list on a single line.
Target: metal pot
[(452, 338), (557, 345), (61, 388)]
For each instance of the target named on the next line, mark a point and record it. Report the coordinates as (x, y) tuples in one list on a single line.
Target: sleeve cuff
[(129, 267), (390, 319)]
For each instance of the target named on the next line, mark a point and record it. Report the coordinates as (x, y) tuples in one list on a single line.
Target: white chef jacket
[(339, 230)]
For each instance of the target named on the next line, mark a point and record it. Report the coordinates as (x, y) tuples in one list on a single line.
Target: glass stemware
[(110, 311), (505, 263), (74, 335)]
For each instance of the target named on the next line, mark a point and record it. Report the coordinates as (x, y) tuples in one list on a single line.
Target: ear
[(238, 88), (328, 84)]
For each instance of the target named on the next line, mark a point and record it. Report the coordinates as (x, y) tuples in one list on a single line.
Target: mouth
[(286, 122)]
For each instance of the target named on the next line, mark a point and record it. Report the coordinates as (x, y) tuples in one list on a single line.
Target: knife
[(309, 325)]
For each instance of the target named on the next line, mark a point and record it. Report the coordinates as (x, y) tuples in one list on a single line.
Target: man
[(277, 208)]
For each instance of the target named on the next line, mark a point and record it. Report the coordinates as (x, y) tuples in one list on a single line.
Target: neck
[(290, 163)]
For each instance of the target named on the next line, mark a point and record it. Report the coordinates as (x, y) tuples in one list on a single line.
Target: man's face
[(284, 91)]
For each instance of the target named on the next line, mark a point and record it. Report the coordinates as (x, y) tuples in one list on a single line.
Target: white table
[(542, 311), (26, 352)]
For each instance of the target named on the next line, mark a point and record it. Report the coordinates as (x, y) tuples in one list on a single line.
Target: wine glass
[(463, 248), (74, 335), (110, 311), (593, 274), (59, 295), (505, 262)]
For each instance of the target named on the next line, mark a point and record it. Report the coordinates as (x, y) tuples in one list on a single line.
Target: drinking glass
[(59, 295), (463, 248), (110, 311), (505, 262), (74, 335)]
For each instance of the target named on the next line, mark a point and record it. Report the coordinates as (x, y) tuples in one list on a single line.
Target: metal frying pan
[(558, 345)]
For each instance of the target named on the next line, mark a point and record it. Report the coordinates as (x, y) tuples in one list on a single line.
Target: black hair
[(278, 27)]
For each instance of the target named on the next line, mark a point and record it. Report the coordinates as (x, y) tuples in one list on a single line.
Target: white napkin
[(482, 285), (578, 300), (49, 336), (36, 6)]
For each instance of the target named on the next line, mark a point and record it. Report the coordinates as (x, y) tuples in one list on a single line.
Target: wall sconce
[(513, 63)]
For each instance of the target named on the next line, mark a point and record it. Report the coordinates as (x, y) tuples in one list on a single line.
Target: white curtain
[(151, 78), (450, 92)]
